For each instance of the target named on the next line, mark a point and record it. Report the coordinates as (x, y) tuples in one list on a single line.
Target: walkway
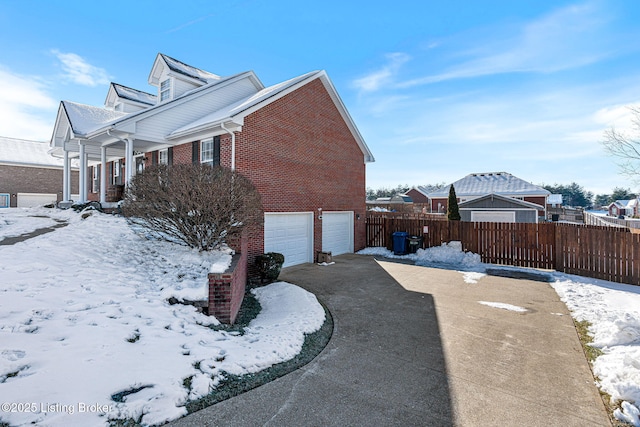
[(413, 347)]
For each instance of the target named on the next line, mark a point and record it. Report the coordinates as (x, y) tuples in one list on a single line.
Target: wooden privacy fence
[(600, 252)]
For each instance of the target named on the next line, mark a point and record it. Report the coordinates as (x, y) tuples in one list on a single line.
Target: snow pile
[(614, 313), (504, 306), (447, 254), (87, 335)]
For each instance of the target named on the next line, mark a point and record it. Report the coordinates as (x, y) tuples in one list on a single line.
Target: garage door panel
[(337, 232), (290, 234), (28, 200)]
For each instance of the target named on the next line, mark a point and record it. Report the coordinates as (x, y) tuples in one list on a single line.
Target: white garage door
[(493, 216), (28, 200), (290, 234), (337, 232)]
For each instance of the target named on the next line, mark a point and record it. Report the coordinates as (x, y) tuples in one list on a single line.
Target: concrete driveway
[(412, 346)]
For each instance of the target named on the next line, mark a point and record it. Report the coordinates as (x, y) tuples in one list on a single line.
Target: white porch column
[(129, 166), (83, 174), (66, 178), (103, 174)]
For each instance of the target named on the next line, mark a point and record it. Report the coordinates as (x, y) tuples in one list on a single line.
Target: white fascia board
[(61, 127), (156, 71), (368, 155), (212, 127)]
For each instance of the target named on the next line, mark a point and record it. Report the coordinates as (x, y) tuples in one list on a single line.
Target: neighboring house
[(397, 203), (496, 208), (476, 185), (29, 175), (295, 140), (419, 194), (624, 207)]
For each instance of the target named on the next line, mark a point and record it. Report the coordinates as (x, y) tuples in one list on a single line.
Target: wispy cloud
[(566, 38), (26, 109), (78, 70), (383, 76)]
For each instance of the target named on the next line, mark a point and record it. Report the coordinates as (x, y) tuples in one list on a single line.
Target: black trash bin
[(414, 242), (400, 242)]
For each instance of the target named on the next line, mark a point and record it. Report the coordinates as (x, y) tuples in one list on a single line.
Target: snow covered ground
[(84, 316), (612, 309)]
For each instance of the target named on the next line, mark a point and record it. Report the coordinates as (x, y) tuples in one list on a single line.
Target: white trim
[(163, 151)]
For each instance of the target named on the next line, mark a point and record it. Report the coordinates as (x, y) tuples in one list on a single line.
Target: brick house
[(295, 140), (494, 209), (29, 175)]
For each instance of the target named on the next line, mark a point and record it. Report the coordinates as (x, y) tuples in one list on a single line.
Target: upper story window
[(163, 157), (165, 90), (210, 151)]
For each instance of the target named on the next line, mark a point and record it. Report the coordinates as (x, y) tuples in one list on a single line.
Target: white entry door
[(337, 232), (290, 234)]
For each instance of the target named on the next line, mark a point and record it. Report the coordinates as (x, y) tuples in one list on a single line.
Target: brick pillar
[(226, 290)]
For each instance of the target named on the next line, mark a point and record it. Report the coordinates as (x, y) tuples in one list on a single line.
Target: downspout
[(233, 146)]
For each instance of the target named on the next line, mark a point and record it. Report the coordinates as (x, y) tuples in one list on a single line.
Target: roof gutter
[(233, 146)]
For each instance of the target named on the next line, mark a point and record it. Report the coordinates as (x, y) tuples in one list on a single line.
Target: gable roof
[(508, 200), (238, 110), (22, 152), (134, 94), (181, 68), (90, 122), (502, 183), (85, 118)]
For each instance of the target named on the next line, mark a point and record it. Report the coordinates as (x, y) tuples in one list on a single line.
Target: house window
[(165, 90), (96, 179), (116, 168), (163, 157), (210, 151)]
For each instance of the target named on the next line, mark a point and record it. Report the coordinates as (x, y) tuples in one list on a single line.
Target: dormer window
[(165, 90)]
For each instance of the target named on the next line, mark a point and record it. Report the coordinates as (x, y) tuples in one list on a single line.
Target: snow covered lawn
[(84, 317), (612, 309)]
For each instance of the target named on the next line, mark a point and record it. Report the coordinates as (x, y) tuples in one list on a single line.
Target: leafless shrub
[(196, 205)]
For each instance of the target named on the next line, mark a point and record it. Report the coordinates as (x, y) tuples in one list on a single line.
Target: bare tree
[(625, 147), (196, 205)]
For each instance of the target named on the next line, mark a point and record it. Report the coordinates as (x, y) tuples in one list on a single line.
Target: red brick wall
[(226, 290), (301, 156), (21, 179), (417, 196)]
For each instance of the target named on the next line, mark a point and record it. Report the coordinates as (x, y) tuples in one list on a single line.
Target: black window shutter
[(154, 158), (216, 150), (195, 152), (170, 156)]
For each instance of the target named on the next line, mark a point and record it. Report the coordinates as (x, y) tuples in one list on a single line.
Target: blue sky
[(438, 89)]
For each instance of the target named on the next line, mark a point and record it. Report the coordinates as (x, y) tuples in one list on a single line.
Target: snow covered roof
[(188, 70), (134, 94), (86, 118), (238, 107), (479, 184), (23, 152)]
